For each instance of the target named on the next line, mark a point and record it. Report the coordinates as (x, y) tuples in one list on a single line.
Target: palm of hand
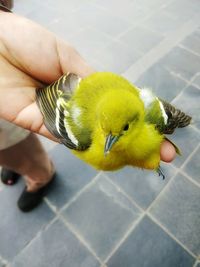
[(30, 56), (17, 90)]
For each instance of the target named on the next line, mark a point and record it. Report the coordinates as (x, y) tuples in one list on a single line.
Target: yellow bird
[(107, 121)]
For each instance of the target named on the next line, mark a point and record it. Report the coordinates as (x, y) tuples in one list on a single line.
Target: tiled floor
[(129, 218)]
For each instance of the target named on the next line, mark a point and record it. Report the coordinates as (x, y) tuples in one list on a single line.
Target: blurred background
[(129, 218)]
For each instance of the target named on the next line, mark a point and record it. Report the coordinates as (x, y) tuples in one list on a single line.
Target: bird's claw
[(160, 172)]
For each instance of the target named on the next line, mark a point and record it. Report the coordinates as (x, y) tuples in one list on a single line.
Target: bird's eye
[(126, 127)]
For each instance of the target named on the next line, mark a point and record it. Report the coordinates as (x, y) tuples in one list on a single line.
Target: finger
[(31, 119), (167, 152), (75, 64), (44, 56)]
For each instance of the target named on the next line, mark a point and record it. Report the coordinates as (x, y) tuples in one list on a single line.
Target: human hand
[(31, 57)]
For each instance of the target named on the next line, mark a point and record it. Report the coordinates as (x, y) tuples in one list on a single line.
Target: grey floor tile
[(153, 4), (113, 3), (192, 42), (181, 62), (189, 102), (23, 7), (66, 6), (129, 10), (183, 9), (101, 215), (141, 185), (192, 168), (17, 228), (57, 17), (102, 20), (149, 246), (89, 41), (62, 27), (47, 143), (162, 23), (187, 139), (71, 176), (197, 80), (179, 211), (141, 39), (117, 57), (56, 246), (44, 18), (162, 82), (135, 13)]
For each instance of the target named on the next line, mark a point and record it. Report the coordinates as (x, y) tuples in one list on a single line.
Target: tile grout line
[(139, 22), (196, 262), (163, 190), (50, 205), (117, 37), (74, 198), (161, 49), (79, 237), (170, 234), (180, 94), (181, 45), (179, 170), (60, 217), (124, 193), (196, 85), (195, 128), (190, 178), (85, 188), (146, 212), (188, 82), (43, 228), (190, 156), (125, 236)]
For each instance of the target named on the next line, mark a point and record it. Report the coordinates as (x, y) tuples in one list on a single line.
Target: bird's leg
[(160, 172)]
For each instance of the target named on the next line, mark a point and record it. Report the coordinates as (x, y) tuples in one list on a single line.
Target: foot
[(160, 172), (30, 200), (9, 177)]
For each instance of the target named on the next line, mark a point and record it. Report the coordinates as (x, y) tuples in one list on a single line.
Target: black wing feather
[(46, 99), (176, 118)]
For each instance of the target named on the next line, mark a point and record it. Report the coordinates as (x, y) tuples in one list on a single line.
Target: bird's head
[(120, 116)]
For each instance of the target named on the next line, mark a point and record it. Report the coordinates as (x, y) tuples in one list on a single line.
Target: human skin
[(30, 57)]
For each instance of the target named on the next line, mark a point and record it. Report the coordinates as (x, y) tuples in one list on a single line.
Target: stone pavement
[(129, 218)]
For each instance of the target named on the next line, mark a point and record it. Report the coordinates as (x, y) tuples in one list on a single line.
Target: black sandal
[(30, 200), (9, 177)]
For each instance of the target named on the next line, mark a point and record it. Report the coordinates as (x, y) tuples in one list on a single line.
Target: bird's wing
[(165, 116), (53, 104), (175, 118)]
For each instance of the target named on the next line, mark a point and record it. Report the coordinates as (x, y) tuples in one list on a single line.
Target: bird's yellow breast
[(143, 151)]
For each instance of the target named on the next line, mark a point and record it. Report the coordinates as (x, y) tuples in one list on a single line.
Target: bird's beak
[(110, 141)]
